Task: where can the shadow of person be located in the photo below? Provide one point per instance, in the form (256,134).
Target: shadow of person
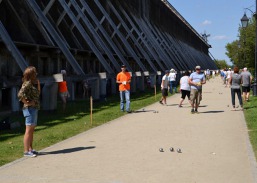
(66,151)
(202,105)
(212,112)
(139,111)
(172,104)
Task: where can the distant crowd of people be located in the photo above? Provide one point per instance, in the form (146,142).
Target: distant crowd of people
(240,83)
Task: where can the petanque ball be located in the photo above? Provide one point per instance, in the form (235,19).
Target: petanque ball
(179,150)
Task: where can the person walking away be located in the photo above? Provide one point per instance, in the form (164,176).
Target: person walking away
(124,80)
(235,82)
(63,90)
(208,74)
(225,76)
(184,88)
(246,84)
(213,74)
(196,80)
(164,87)
(29,95)
(228,75)
(172,81)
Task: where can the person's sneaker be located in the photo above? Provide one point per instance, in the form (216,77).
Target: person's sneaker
(129,111)
(160,102)
(34,151)
(29,154)
(196,111)
(179,106)
(192,111)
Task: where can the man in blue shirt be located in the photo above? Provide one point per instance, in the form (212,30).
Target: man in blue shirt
(196,80)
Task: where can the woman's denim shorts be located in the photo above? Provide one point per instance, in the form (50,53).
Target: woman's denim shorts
(30,115)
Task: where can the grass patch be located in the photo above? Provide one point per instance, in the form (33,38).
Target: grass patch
(251,120)
(57,126)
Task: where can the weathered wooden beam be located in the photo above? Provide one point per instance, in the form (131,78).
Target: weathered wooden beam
(12,48)
(21,24)
(48,7)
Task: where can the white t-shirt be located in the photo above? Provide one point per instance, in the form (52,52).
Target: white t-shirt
(229,74)
(172,76)
(166,81)
(184,85)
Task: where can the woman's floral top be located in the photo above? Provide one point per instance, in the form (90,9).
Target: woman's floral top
(29,92)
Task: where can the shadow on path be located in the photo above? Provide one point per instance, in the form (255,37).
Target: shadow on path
(172,104)
(202,105)
(212,112)
(144,111)
(69,150)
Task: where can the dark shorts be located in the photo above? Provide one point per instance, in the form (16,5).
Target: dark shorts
(246,89)
(185,93)
(165,92)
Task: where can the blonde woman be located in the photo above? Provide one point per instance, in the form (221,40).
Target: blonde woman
(29,95)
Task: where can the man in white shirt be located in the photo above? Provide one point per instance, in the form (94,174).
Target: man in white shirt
(164,87)
(172,81)
(229,72)
(246,83)
(184,88)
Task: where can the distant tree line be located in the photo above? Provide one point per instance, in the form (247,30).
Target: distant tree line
(221,64)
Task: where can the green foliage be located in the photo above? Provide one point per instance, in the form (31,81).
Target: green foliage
(251,120)
(221,64)
(242,51)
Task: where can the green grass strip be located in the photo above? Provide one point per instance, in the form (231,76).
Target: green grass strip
(57,126)
(250,113)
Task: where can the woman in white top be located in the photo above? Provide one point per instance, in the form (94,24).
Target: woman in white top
(184,88)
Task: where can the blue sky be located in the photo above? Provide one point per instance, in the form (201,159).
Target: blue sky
(219,18)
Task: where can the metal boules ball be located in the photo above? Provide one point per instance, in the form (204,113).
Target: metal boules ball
(171,149)
(179,150)
(161,150)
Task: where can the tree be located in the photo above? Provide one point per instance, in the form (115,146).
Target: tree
(234,53)
(221,64)
(242,51)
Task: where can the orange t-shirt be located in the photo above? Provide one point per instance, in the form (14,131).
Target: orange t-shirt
(124,77)
(62,86)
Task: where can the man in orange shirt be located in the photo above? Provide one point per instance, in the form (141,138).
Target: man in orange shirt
(63,90)
(124,79)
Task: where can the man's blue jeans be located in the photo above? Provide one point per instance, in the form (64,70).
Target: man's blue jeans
(173,86)
(125,94)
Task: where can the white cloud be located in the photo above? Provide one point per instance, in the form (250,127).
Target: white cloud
(206,22)
(220,37)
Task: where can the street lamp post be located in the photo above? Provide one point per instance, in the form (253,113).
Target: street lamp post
(244,21)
